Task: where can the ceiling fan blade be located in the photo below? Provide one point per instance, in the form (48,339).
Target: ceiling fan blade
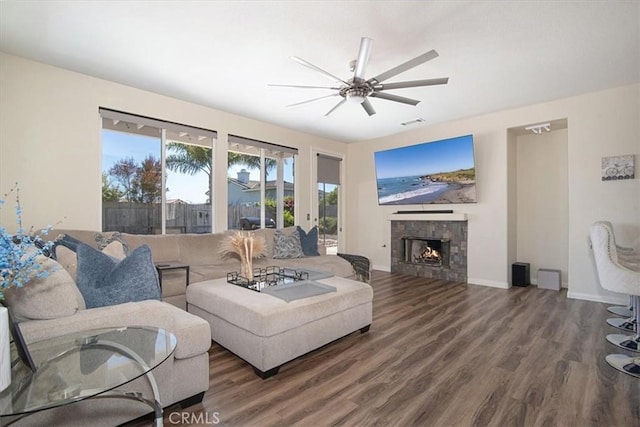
(368,107)
(404,67)
(317,69)
(311,100)
(336,106)
(363,58)
(305,87)
(413,83)
(395,98)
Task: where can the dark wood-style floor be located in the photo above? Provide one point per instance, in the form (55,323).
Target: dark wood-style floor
(439,354)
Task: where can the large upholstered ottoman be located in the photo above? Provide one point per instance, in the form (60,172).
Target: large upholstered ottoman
(267,331)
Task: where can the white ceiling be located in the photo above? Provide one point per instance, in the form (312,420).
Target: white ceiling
(497,54)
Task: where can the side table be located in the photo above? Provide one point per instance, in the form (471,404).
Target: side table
(85,365)
(171,265)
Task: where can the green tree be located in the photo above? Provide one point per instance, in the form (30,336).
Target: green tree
(124,172)
(190,159)
(332,197)
(110,192)
(139,183)
(148,180)
(252,162)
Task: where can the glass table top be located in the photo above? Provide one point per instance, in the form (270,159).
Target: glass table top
(81,365)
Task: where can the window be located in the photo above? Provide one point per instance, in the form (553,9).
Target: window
(156,175)
(260,184)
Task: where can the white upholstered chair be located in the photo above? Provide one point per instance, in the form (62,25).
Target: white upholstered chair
(616,277)
(627,257)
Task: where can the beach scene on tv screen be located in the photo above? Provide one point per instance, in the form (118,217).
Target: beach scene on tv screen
(432,172)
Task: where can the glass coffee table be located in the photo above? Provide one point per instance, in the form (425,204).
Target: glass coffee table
(84,365)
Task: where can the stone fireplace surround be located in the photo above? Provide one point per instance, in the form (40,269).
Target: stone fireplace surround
(430,226)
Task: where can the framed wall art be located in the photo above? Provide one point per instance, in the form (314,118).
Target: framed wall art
(618,167)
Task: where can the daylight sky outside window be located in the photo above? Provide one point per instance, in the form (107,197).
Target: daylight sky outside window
(190,188)
(117,145)
(254,174)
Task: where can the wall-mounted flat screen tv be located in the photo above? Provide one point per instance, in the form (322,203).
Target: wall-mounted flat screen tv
(432,172)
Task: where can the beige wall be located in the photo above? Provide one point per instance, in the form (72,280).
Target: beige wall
(50,142)
(543,202)
(599,124)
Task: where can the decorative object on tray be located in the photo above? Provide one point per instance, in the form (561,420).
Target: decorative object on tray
(244,245)
(261,278)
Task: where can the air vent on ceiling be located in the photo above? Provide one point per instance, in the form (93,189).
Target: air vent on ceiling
(413,122)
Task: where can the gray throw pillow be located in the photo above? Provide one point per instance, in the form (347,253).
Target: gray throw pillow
(103,241)
(104,280)
(287,246)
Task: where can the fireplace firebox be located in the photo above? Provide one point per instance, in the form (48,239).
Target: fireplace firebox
(429,251)
(416,245)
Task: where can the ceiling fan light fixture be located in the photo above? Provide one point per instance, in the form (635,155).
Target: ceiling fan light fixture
(356,95)
(355,99)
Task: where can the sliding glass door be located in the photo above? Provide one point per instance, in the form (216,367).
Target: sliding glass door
(328,205)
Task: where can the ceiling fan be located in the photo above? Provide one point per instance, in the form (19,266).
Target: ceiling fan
(358,90)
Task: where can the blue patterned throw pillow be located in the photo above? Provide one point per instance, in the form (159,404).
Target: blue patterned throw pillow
(309,241)
(104,280)
(287,246)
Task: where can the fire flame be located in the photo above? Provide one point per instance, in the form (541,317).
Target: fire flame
(429,254)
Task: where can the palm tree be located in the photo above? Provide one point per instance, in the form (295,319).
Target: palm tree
(191,159)
(249,161)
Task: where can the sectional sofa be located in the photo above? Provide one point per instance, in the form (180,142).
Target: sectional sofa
(185,376)
(202,253)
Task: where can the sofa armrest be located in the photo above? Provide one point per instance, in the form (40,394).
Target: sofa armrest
(144,313)
(361,265)
(192,332)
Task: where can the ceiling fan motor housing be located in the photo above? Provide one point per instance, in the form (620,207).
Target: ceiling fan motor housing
(356,91)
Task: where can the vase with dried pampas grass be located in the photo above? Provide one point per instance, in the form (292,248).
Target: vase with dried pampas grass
(246,246)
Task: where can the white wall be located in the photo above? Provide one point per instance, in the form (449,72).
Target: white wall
(599,124)
(543,202)
(50,142)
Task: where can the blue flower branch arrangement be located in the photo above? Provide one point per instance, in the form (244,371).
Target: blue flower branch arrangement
(19,252)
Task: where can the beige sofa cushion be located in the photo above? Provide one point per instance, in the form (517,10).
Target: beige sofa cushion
(201,249)
(50,297)
(163,248)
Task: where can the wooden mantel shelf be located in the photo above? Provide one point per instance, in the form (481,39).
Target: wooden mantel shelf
(428,217)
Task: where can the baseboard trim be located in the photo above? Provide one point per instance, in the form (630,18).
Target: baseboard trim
(599,298)
(386,268)
(490,283)
(534,281)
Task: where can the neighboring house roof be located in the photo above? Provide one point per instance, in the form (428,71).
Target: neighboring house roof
(177,202)
(237,182)
(255,185)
